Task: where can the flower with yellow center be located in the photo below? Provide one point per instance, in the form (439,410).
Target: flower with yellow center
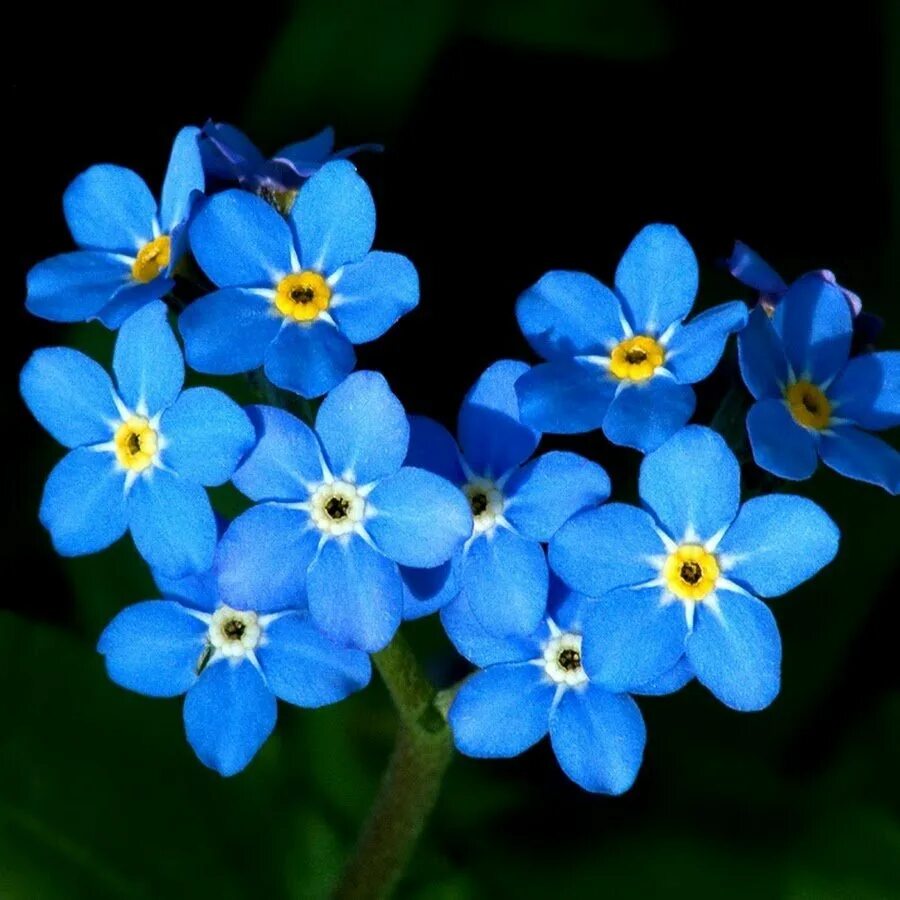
(152,259)
(808,405)
(691,572)
(136,443)
(636,358)
(302,296)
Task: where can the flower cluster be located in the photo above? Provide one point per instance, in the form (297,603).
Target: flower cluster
(361,516)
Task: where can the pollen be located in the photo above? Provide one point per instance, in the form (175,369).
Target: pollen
(137,443)
(808,405)
(152,259)
(636,358)
(691,572)
(302,296)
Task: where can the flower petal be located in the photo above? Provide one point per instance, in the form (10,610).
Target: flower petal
(751,269)
(657,279)
(501,711)
(334,218)
(569,314)
(735,651)
(868,390)
(668,683)
(153,648)
(779,444)
(228,154)
(427,590)
(228,715)
(646,415)
(763,363)
(777,542)
(549,490)
(432,447)
(696,348)
(363,428)
(598,739)
(184,176)
(862,456)
(199,591)
(355,594)
(131,297)
(309,359)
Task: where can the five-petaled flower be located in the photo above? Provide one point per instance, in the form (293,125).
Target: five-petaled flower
(231,662)
(129,246)
(141,453)
(682,577)
(812,400)
(622,360)
(337,512)
(297,294)
(503,570)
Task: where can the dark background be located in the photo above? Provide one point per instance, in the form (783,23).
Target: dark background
(521,136)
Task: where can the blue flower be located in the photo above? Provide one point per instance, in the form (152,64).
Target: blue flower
(682,577)
(338,513)
(297,294)
(231,662)
(812,400)
(129,246)
(622,360)
(530,685)
(141,453)
(503,570)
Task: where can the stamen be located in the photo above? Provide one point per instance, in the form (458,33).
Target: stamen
(636,358)
(569,659)
(302,296)
(809,405)
(691,572)
(337,508)
(152,259)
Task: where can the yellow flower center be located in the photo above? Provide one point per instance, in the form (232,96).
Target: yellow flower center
(136,443)
(281,200)
(808,405)
(152,259)
(302,296)
(636,358)
(691,572)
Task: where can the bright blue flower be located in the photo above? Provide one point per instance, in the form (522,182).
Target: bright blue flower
(812,401)
(141,453)
(338,515)
(622,360)
(231,662)
(682,577)
(297,294)
(502,570)
(129,245)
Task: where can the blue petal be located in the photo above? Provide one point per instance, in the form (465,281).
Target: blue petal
(74,287)
(777,542)
(334,218)
(309,359)
(228,331)
(240,241)
(862,456)
(504,580)
(83,506)
(110,208)
(314,150)
(371,295)
(70,395)
(131,297)
(501,711)
(868,391)
(632,636)
(480,646)
(303,667)
(492,437)
(153,648)
(569,314)
(657,279)
(200,591)
(228,154)
(670,682)
(692,484)
(736,651)
(646,415)
(285,459)
(751,269)
(147,361)
(696,348)
(432,447)
(598,739)
(542,495)
(228,715)
(603,549)
(427,590)
(184,176)
(355,594)
(172,523)
(779,444)
(816,327)
(761,356)
(420,519)
(206,435)
(264,556)
(565,397)
(566,607)
(363,428)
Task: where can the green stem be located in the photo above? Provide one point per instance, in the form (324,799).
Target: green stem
(411,783)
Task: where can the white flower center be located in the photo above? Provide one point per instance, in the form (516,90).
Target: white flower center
(337,508)
(234,633)
(486,501)
(562,659)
